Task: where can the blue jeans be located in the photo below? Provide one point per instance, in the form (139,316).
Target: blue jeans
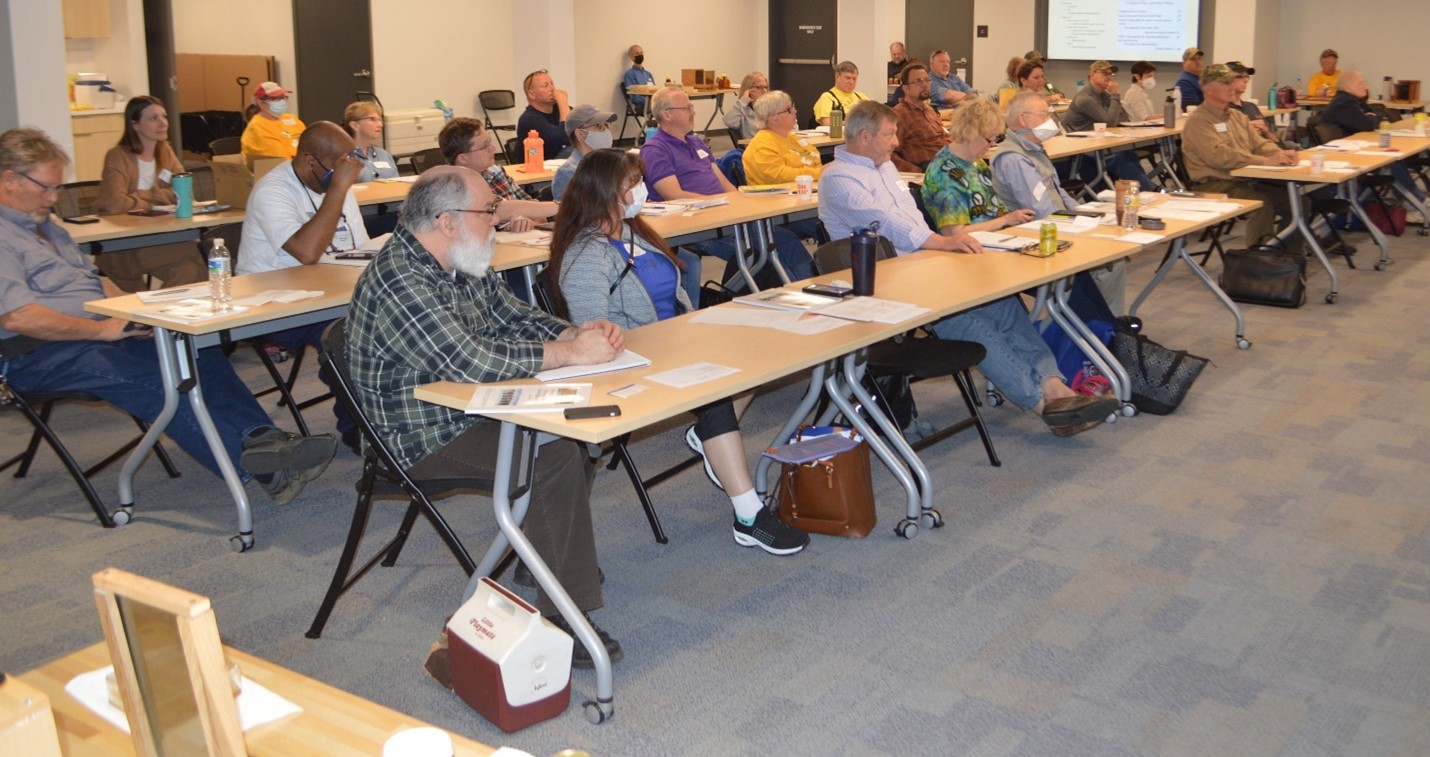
(126,374)
(312,335)
(1018,359)
(1120,165)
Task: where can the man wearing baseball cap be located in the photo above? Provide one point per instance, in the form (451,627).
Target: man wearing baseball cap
(1253,112)
(1188,83)
(589,129)
(1100,103)
(1218,139)
(273,132)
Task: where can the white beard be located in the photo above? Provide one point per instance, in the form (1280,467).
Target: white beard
(471,257)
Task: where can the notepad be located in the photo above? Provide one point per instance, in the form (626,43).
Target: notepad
(528,398)
(995,241)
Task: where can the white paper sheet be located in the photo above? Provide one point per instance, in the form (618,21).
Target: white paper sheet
(278,295)
(1135,237)
(533,238)
(626,359)
(873,309)
(791,321)
(256,704)
(690,375)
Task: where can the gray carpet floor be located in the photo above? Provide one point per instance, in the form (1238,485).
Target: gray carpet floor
(1248,576)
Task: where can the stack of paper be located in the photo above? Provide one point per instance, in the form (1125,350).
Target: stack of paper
(528,398)
(626,359)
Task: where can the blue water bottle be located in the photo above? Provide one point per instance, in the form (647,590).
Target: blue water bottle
(183,184)
(863,254)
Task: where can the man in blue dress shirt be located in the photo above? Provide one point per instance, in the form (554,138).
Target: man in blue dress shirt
(637,76)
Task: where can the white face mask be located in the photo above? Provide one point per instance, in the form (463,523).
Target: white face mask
(1149,82)
(278,107)
(1046,130)
(638,197)
(599,140)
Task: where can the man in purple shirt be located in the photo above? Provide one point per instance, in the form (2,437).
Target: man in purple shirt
(679,165)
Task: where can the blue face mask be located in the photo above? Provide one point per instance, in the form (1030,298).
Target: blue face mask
(277,107)
(326,179)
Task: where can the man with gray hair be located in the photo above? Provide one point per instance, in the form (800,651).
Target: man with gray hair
(425,310)
(1350,111)
(636,76)
(50,343)
(1023,177)
(861,187)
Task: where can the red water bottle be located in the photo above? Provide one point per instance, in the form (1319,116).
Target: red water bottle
(535,149)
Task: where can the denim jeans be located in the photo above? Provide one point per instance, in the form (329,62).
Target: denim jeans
(126,374)
(1018,359)
(312,335)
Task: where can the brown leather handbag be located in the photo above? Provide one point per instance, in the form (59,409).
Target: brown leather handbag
(834,496)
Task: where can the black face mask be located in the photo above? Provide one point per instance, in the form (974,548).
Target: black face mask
(639,59)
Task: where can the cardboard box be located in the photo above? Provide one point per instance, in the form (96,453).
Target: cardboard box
(233,180)
(699,78)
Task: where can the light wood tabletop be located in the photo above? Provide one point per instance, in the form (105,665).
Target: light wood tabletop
(125,226)
(1063,146)
(945,283)
(1358,166)
(333,722)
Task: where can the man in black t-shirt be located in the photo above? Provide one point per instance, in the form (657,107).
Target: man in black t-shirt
(546,111)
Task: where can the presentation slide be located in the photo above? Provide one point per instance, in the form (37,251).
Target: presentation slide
(1127,30)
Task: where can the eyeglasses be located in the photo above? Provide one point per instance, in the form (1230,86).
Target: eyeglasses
(789,110)
(690,108)
(485,145)
(924,80)
(759,86)
(48,188)
(489,210)
(370,118)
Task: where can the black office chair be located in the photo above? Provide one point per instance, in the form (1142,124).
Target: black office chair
(918,357)
(232,236)
(633,113)
(429,158)
(496,100)
(26,402)
(383,476)
(620,446)
(226,146)
(367,97)
(512,149)
(78,198)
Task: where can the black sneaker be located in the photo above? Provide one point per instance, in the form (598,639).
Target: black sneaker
(352,439)
(580,656)
(272,450)
(693,441)
(771,534)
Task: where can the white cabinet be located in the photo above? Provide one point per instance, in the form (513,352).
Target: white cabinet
(409,131)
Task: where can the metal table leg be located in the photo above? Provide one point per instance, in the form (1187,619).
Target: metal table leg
(1092,347)
(1351,191)
(1179,252)
(768,252)
(1165,167)
(796,417)
(1302,224)
(516,456)
(840,390)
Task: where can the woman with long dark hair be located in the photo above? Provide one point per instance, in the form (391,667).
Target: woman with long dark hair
(610,264)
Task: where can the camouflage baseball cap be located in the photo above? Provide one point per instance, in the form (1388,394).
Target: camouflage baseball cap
(1218,72)
(1192,52)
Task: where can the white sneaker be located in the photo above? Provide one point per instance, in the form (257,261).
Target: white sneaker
(694,443)
(1414,216)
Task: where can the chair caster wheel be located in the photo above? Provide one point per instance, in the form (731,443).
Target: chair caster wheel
(241,543)
(597,712)
(1111,418)
(995,399)
(1128,409)
(1380,266)
(1242,343)
(906,528)
(1331,298)
(122,515)
(931,519)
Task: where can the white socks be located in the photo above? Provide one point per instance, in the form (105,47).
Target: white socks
(747,506)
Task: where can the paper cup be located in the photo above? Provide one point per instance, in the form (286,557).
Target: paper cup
(804,187)
(1318,163)
(1100,129)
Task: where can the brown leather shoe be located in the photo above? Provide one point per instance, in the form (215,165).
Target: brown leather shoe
(1075,428)
(1071,411)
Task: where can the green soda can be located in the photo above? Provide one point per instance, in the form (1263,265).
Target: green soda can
(1047,239)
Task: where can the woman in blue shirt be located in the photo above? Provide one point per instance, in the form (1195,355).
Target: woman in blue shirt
(610,264)
(363,120)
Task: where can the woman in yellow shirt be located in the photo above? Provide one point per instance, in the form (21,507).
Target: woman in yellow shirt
(777,155)
(1323,82)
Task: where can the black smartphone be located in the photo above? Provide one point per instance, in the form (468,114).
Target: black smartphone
(81,219)
(828,290)
(594,411)
(355,255)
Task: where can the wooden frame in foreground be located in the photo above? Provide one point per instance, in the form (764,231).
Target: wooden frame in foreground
(169,664)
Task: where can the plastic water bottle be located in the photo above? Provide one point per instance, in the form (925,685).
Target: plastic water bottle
(1385,135)
(1300,88)
(446,110)
(534,147)
(220,277)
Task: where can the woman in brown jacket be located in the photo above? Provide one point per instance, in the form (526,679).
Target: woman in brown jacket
(137,175)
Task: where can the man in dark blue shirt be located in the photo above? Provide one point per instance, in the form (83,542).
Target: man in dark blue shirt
(546,111)
(1190,82)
